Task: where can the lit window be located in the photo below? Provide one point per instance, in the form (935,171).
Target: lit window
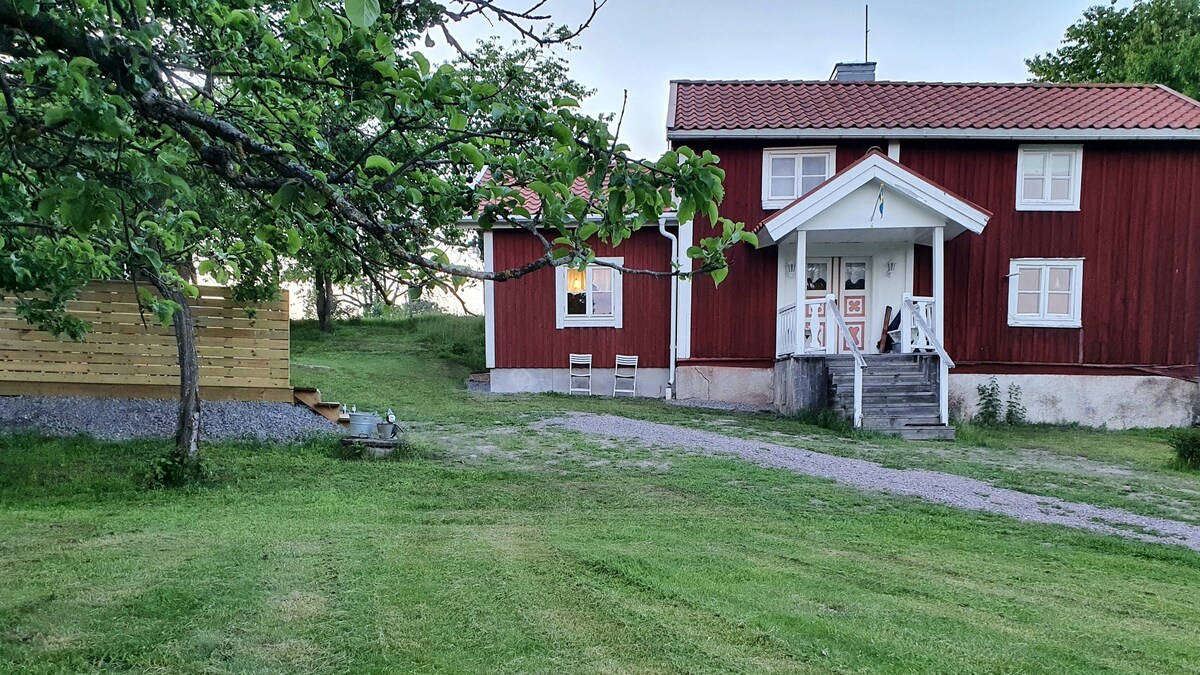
(589,297)
(789,173)
(1048,177)
(1045,292)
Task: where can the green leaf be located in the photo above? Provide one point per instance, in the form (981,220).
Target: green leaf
(458,122)
(750,238)
(285,195)
(379,162)
(561,133)
(362,13)
(587,230)
(422,63)
(472,154)
(294,241)
(718,275)
(565,102)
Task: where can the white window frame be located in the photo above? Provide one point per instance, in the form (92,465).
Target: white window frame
(1047,204)
(768,202)
(564,320)
(1041,320)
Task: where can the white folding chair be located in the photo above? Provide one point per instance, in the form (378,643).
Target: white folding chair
(628,376)
(581,369)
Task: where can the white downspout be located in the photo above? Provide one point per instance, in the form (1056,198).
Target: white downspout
(662,229)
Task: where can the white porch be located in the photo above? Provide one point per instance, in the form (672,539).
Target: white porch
(847,269)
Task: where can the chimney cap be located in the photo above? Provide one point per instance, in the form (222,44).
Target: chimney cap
(856,71)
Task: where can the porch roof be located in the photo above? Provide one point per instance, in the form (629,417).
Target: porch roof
(927,203)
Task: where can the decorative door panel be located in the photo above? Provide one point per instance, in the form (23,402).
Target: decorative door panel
(818,282)
(853,300)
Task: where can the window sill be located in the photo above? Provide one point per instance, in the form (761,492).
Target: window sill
(1032,206)
(608,322)
(776,204)
(1042,323)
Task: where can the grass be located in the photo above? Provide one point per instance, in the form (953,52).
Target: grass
(502,550)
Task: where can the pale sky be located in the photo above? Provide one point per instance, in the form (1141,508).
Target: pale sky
(641,45)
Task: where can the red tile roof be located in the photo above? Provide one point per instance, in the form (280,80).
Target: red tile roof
(725,105)
(533,202)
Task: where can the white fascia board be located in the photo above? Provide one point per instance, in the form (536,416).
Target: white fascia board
(978,134)
(877,168)
(472,224)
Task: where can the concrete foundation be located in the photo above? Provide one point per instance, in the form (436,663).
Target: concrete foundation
(801,384)
(723,383)
(651,382)
(1113,401)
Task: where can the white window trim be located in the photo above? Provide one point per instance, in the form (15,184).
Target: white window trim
(1046,204)
(1074,321)
(563,320)
(829,152)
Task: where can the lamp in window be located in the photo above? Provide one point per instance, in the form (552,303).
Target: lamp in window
(576,279)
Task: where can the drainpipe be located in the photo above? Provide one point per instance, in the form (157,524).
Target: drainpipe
(662,229)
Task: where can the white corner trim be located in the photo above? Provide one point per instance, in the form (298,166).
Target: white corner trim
(489,303)
(1076,179)
(561,320)
(672,98)
(683,335)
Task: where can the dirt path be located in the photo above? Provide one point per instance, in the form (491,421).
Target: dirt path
(932,486)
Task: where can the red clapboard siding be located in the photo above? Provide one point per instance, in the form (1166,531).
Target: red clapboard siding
(525,307)
(1136,228)
(737,320)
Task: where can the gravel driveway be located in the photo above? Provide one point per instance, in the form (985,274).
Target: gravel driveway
(118,419)
(939,488)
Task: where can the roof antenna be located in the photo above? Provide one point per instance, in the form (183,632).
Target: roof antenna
(866,33)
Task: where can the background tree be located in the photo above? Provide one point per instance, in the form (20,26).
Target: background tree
(144,137)
(1153,41)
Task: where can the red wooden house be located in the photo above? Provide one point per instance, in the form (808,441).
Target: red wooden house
(915,240)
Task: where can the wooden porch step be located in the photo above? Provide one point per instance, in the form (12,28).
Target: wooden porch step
(310,398)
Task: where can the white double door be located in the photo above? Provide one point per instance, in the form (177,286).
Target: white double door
(848,279)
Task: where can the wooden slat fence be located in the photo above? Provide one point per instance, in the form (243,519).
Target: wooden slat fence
(241,358)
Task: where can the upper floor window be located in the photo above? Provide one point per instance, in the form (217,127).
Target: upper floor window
(590,297)
(789,173)
(1048,177)
(1045,292)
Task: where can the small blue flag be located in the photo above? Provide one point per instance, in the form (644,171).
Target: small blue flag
(878,204)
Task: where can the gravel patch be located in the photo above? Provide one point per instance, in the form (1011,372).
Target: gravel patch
(719,405)
(932,486)
(117,419)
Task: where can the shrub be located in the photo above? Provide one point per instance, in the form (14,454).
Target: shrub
(989,403)
(1186,444)
(1014,412)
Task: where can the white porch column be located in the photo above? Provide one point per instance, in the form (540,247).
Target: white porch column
(939,319)
(799,346)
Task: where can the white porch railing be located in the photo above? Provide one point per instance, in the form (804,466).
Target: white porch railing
(917,334)
(833,316)
(785,331)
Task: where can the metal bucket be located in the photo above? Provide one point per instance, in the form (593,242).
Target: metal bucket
(362,425)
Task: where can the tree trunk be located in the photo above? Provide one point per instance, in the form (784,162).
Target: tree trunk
(326,303)
(187,430)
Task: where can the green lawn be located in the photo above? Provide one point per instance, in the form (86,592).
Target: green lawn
(510,551)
